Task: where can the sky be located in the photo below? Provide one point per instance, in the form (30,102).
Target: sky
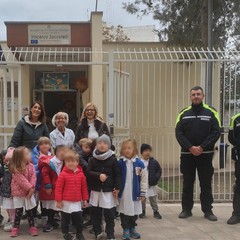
(66,10)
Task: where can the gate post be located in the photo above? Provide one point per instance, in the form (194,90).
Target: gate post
(110,89)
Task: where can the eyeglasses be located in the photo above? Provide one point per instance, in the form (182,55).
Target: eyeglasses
(90,110)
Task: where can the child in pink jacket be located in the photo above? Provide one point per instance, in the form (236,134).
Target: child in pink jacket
(23,186)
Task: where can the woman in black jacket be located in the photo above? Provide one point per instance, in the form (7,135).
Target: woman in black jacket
(91,125)
(30,128)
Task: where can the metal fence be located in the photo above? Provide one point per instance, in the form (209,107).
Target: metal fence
(160,83)
(145,90)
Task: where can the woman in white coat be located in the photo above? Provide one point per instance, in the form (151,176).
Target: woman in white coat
(61,135)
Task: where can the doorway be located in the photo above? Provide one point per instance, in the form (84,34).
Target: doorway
(64,101)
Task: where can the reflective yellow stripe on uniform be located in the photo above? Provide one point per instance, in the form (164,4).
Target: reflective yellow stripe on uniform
(232,120)
(181,113)
(216,115)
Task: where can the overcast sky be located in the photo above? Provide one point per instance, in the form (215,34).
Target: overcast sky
(65,10)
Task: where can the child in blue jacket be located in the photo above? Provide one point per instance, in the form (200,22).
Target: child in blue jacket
(134,187)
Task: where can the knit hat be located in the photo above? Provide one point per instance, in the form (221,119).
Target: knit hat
(9,153)
(106,139)
(145,147)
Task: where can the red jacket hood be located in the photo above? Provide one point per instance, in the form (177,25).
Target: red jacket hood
(43,161)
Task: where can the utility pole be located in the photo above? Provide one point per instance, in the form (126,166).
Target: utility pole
(210,63)
(96,7)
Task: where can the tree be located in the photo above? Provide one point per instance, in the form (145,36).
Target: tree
(114,34)
(184,22)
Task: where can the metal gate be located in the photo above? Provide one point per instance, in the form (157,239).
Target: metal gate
(10,102)
(119,103)
(160,84)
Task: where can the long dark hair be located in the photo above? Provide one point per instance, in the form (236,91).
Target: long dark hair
(42,117)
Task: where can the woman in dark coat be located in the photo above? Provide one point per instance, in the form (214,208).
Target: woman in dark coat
(30,128)
(91,125)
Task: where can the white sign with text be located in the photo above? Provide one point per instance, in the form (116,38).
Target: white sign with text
(49,34)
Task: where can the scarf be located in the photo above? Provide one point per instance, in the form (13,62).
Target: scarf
(102,156)
(57,165)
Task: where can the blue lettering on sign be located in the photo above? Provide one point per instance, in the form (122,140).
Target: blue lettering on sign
(34,41)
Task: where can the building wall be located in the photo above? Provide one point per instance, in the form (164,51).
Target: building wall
(80,33)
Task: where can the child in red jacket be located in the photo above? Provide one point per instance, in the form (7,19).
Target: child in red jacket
(71,194)
(50,167)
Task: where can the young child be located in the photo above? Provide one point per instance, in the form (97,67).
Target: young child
(154,173)
(50,168)
(23,187)
(70,190)
(84,150)
(43,148)
(5,189)
(134,187)
(104,179)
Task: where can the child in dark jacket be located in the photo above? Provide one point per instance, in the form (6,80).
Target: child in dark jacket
(5,188)
(84,149)
(104,179)
(71,195)
(154,172)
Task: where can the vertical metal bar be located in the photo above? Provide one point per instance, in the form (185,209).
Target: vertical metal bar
(12,97)
(5,100)
(19,93)
(110,89)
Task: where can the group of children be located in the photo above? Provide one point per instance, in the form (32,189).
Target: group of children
(72,180)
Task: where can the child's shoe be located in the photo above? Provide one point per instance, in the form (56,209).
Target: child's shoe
(111,236)
(1,220)
(8,227)
(47,228)
(157,215)
(14,232)
(99,235)
(33,231)
(126,234)
(134,234)
(79,236)
(68,236)
(143,215)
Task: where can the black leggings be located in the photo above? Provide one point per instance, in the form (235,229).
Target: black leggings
(76,218)
(49,213)
(19,214)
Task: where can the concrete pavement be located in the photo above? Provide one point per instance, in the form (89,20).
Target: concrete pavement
(169,228)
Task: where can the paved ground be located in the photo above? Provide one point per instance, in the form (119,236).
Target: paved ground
(169,228)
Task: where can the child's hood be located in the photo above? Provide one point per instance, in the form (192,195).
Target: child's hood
(44,161)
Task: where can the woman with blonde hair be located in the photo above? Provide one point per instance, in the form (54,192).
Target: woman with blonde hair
(91,125)
(61,135)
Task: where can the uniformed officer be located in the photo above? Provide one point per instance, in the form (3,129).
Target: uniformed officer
(197,131)
(234,139)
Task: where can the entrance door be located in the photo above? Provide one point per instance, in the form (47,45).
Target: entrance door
(56,101)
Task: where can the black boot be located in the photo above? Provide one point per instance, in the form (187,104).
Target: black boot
(210,216)
(235,218)
(185,214)
(143,215)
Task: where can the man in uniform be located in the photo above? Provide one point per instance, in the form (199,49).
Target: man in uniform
(234,139)
(197,131)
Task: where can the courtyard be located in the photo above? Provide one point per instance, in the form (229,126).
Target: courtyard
(169,228)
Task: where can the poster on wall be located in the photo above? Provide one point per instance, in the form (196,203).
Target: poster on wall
(56,81)
(49,34)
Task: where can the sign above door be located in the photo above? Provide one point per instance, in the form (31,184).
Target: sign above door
(49,34)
